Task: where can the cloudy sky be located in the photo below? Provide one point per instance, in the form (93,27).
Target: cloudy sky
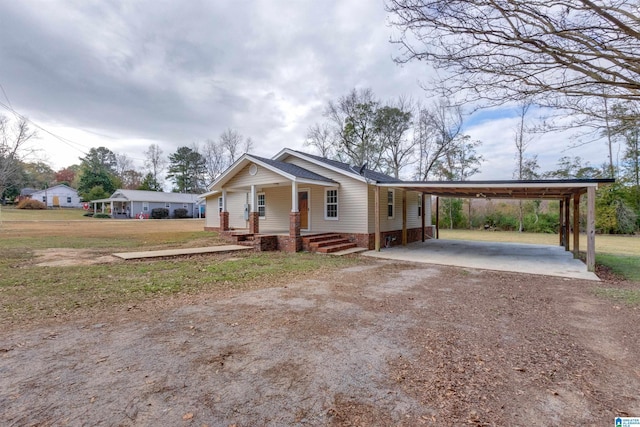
(126,74)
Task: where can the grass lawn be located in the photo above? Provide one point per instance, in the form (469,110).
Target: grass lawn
(13,214)
(31,292)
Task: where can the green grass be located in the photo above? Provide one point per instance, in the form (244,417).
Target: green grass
(622,265)
(626,296)
(58,214)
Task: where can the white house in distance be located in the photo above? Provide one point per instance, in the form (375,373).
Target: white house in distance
(59,195)
(300,201)
(140,203)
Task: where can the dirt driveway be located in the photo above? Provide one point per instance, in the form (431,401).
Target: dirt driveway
(376,344)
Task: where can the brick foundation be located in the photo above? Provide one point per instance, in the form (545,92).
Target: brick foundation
(368,240)
(254,222)
(224,221)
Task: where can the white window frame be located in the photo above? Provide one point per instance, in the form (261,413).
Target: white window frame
(263,205)
(68,199)
(220,204)
(327,204)
(145,206)
(391,204)
(419,205)
(167,205)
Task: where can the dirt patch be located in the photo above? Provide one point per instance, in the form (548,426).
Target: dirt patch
(64,257)
(386,344)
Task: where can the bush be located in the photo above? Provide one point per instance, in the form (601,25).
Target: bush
(87,214)
(181,213)
(101,215)
(31,204)
(159,213)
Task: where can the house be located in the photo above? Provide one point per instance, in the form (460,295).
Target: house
(297,201)
(58,196)
(140,203)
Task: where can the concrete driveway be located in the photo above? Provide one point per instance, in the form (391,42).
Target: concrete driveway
(514,257)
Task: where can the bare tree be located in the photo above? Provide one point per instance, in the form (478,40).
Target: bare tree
(566,50)
(231,141)
(320,137)
(123,164)
(215,159)
(155,162)
(438,131)
(392,123)
(14,141)
(526,167)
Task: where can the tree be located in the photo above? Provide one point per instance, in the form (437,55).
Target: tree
(437,133)
(131,179)
(565,50)
(231,142)
(187,169)
(154,162)
(149,183)
(320,137)
(98,168)
(14,140)
(573,168)
(66,175)
(38,174)
(353,122)
(391,125)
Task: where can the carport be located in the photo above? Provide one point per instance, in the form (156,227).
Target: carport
(567,191)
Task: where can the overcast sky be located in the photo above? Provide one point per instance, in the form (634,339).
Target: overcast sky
(126,74)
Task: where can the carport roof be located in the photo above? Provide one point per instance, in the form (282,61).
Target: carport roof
(511,189)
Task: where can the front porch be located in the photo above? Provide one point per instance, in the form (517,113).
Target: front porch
(282,240)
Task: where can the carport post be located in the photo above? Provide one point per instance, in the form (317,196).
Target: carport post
(437,217)
(567,207)
(576,225)
(591,229)
(422,200)
(561,221)
(376,210)
(404,217)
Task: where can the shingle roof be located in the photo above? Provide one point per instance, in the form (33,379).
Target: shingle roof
(155,196)
(367,173)
(295,170)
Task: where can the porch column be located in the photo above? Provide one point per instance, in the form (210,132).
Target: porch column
(295,241)
(376,215)
(404,218)
(224,215)
(254,220)
(576,225)
(424,213)
(591,229)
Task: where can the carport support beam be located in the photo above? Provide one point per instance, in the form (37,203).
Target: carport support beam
(422,200)
(437,217)
(567,221)
(376,210)
(591,229)
(404,218)
(576,225)
(561,222)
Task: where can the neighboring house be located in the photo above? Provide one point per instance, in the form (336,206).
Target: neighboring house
(139,203)
(296,194)
(25,193)
(59,195)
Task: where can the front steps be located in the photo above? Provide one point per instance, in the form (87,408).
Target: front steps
(327,243)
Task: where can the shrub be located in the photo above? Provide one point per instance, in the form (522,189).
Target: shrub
(31,204)
(159,213)
(101,215)
(87,214)
(181,213)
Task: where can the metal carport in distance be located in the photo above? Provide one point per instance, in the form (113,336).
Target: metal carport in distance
(563,190)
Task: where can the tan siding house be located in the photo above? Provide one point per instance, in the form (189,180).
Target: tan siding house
(295,194)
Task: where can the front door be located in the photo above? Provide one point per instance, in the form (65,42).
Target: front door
(303,207)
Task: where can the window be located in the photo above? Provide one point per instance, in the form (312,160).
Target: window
(219,204)
(167,205)
(68,199)
(331,204)
(390,211)
(44,199)
(145,206)
(419,205)
(262,209)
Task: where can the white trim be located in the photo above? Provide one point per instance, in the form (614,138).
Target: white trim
(326,204)
(290,152)
(264,205)
(479,184)
(392,204)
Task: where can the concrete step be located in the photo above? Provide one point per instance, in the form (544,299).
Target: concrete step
(336,248)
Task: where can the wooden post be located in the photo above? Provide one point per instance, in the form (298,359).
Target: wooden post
(576,225)
(424,214)
(377,218)
(567,223)
(437,217)
(591,229)
(404,218)
(561,222)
